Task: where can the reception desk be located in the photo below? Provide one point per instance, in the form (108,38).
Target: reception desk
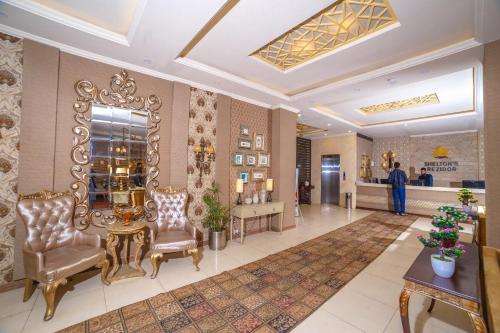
(419,199)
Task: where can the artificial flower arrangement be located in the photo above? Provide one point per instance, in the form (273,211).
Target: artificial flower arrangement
(465,196)
(445,238)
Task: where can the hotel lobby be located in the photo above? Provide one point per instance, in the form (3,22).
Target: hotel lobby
(249,166)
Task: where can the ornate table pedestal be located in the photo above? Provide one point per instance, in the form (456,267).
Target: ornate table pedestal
(115,231)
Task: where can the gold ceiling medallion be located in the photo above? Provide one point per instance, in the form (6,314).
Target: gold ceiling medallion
(303,129)
(413,102)
(341,23)
(121,94)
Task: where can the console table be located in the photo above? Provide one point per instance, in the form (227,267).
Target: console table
(255,210)
(462,290)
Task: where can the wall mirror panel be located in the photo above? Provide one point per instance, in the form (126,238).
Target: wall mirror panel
(115,150)
(118,152)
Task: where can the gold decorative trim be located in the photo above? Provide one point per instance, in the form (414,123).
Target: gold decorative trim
(171,190)
(43,195)
(303,129)
(340,24)
(208,26)
(121,94)
(408,103)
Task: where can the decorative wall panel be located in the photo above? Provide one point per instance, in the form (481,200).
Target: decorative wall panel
(399,145)
(258,120)
(202,123)
(11,68)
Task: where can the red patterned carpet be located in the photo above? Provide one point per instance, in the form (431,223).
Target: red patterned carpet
(273,294)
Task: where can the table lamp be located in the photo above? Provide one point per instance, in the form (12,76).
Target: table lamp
(269,189)
(239,190)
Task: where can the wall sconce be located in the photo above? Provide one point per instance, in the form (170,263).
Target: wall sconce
(239,190)
(269,189)
(204,155)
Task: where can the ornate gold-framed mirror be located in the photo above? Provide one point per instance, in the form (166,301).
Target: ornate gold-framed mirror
(115,132)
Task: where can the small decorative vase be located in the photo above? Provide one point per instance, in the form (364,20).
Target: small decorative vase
(248,200)
(255,198)
(443,267)
(262,195)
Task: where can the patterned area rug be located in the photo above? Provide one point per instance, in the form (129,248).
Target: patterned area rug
(273,294)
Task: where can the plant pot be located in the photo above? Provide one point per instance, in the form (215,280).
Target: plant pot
(443,267)
(467,209)
(217,240)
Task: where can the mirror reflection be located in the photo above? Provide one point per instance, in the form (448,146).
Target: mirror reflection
(118,147)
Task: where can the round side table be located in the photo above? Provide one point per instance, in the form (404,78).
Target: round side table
(115,230)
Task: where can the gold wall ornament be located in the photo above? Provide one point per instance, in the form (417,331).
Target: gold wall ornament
(412,102)
(388,160)
(342,23)
(120,94)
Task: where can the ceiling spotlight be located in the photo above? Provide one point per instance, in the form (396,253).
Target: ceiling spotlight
(391,80)
(405,125)
(349,131)
(324,134)
(329,124)
(299,115)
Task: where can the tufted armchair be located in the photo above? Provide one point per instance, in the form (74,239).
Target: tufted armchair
(53,249)
(172,231)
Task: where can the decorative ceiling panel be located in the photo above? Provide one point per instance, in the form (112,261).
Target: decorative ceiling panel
(303,129)
(341,23)
(413,102)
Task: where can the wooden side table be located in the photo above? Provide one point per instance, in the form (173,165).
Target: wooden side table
(117,230)
(462,290)
(255,210)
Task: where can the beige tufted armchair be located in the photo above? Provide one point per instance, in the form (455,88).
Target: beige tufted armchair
(54,249)
(172,232)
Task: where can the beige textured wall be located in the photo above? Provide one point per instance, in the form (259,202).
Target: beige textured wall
(284,151)
(179,134)
(491,71)
(346,147)
(412,152)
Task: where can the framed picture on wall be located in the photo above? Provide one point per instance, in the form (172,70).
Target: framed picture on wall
(258,175)
(244,175)
(244,143)
(258,141)
(244,131)
(251,159)
(263,160)
(238,159)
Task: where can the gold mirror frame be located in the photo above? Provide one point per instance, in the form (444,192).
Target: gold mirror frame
(121,94)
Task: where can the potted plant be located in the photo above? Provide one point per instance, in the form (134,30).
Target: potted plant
(445,238)
(466,197)
(216,220)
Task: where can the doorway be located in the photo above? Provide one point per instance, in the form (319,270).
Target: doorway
(330,179)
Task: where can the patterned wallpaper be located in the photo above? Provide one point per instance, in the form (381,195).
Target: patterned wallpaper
(258,120)
(11,68)
(202,122)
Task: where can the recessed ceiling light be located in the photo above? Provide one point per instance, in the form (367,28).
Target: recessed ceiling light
(148,61)
(324,134)
(349,131)
(391,80)
(405,125)
(299,115)
(357,89)
(329,124)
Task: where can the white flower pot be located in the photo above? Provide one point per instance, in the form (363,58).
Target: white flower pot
(443,268)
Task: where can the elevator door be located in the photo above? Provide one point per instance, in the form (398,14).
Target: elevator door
(330,179)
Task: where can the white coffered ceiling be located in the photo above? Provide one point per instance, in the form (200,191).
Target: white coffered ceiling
(436,47)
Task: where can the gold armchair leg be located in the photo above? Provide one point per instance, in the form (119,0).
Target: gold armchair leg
(155,262)
(28,289)
(196,257)
(49,293)
(104,266)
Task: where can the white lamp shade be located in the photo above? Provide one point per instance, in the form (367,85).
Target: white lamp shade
(239,185)
(269,185)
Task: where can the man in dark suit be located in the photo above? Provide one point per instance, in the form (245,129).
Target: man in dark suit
(398,179)
(425,179)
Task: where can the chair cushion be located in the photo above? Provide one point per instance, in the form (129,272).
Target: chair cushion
(69,260)
(173,241)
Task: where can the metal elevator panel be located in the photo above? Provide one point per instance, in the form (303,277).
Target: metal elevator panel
(330,179)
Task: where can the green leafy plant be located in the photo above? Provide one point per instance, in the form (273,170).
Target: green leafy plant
(445,237)
(217,214)
(465,196)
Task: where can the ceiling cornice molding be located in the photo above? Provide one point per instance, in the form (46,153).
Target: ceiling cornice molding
(122,64)
(230,77)
(329,136)
(285,107)
(444,133)
(405,64)
(73,22)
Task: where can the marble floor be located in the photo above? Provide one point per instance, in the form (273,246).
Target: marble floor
(368,303)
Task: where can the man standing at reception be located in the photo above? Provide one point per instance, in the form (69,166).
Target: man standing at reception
(398,179)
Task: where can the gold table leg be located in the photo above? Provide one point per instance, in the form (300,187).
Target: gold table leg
(139,239)
(404,299)
(111,243)
(477,323)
